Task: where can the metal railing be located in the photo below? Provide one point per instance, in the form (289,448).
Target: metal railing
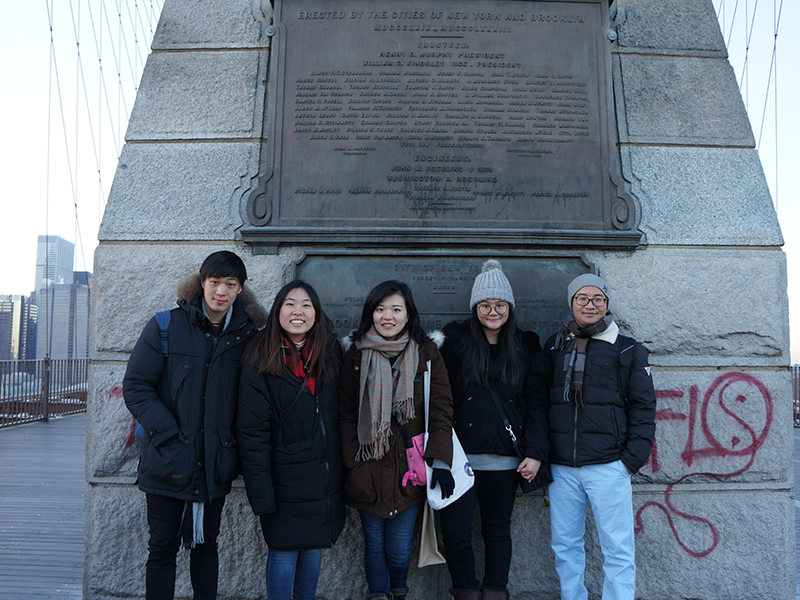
(795,371)
(36,390)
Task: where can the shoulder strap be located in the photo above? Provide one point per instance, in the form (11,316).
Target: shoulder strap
(508,427)
(162,318)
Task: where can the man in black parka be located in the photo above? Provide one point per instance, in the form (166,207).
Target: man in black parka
(601,424)
(182,387)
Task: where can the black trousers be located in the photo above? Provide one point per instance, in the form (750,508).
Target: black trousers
(164,519)
(495,492)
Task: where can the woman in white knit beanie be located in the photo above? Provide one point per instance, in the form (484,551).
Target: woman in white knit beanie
(488,361)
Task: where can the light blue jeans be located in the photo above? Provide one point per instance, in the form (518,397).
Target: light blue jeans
(608,487)
(293,574)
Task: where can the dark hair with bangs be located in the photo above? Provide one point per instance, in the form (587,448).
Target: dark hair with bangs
(476,359)
(223,264)
(377,295)
(265,349)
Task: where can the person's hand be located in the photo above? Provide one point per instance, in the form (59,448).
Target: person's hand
(445,480)
(528,468)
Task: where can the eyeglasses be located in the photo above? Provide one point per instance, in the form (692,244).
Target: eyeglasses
(486,309)
(597,300)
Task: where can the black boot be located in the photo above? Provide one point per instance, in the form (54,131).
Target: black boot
(489,593)
(472,593)
(399,593)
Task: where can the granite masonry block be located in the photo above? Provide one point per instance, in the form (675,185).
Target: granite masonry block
(213,24)
(696,307)
(200,95)
(680,100)
(688,26)
(179,192)
(112,451)
(701,196)
(116,518)
(132,282)
(715,428)
(714,545)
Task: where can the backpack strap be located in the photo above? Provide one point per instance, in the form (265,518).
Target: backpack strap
(162,318)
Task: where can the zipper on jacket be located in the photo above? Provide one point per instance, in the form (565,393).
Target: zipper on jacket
(575,438)
(327,466)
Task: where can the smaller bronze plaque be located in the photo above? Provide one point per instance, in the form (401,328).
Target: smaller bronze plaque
(441,285)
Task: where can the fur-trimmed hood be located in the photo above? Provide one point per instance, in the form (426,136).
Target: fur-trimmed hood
(190,287)
(437,337)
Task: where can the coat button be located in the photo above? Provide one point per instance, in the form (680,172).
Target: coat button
(197,492)
(208,335)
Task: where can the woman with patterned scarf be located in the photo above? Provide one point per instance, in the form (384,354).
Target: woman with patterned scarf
(288,439)
(380,394)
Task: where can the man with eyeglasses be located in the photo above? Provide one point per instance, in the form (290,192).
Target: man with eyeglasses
(601,425)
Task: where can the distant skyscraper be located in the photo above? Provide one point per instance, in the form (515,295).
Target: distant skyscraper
(63,326)
(17,327)
(54,261)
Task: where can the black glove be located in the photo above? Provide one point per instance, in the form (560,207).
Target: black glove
(445,480)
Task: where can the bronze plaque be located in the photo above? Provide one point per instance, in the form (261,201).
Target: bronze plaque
(441,285)
(440,121)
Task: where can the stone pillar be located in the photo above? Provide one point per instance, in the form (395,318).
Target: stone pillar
(706,293)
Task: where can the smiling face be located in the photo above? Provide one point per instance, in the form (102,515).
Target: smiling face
(489,318)
(219,294)
(297,315)
(589,314)
(390,317)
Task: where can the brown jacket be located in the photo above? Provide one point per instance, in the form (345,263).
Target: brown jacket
(375,486)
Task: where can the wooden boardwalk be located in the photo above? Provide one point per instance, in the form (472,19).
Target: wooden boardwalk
(42,484)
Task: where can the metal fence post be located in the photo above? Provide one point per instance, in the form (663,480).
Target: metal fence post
(46,389)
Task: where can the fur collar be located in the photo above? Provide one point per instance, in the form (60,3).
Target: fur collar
(190,287)
(437,337)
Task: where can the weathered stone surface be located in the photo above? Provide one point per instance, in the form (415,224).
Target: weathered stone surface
(721,429)
(112,452)
(186,191)
(694,307)
(701,196)
(680,100)
(690,26)
(213,24)
(133,282)
(200,95)
(753,557)
(116,547)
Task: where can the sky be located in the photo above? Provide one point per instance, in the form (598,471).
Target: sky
(53,104)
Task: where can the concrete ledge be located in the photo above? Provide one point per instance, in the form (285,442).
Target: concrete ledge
(200,95)
(213,24)
(701,196)
(684,101)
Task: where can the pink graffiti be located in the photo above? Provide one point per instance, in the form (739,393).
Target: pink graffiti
(714,397)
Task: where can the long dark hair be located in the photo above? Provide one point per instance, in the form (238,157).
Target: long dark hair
(475,355)
(376,296)
(265,349)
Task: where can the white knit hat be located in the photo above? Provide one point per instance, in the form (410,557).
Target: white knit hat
(491,284)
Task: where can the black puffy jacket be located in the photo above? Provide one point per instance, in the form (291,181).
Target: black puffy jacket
(611,424)
(477,421)
(186,402)
(293,475)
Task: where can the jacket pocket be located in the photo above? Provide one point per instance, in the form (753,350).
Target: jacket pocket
(171,463)
(226,465)
(359,485)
